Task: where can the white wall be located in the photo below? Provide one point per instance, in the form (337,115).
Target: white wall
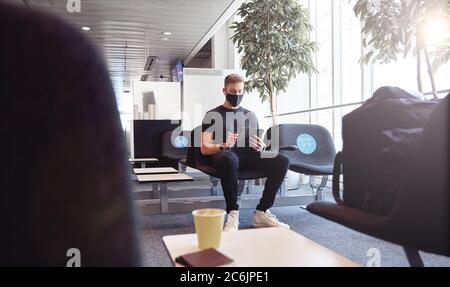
(202,91)
(222,48)
(167,96)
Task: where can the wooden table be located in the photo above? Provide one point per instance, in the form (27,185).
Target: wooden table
(263,247)
(155,170)
(160,181)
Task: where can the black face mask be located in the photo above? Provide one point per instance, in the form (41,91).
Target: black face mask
(234,100)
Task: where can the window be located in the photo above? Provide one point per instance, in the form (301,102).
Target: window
(403,74)
(342,84)
(340,79)
(350,50)
(324,36)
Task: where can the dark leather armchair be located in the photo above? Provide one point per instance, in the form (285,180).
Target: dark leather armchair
(419,219)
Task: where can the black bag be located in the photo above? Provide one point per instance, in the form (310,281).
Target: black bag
(378,142)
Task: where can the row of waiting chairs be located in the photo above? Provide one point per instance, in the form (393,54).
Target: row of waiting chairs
(310,149)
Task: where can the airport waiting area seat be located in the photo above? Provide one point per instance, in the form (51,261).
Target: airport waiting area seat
(197,161)
(315,152)
(176,148)
(419,219)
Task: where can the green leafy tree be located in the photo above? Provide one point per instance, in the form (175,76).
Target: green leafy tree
(441,54)
(273,38)
(394,27)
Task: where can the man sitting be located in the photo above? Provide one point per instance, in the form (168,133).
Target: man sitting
(220,129)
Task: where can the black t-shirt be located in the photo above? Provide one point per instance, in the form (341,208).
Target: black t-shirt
(221,121)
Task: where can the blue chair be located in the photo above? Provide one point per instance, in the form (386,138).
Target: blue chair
(177,148)
(315,152)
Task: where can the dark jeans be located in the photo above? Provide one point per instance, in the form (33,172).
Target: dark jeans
(229,163)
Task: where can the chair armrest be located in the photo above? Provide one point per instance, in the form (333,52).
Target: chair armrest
(283,147)
(353,218)
(288,147)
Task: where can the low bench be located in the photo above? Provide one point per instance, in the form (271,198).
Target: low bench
(160,181)
(155,170)
(142,161)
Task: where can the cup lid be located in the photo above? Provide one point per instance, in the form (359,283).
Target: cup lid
(208,212)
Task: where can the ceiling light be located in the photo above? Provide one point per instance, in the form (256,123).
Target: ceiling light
(167,33)
(86,28)
(164,38)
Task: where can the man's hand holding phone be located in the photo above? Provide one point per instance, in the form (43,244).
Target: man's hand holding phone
(231,140)
(257,143)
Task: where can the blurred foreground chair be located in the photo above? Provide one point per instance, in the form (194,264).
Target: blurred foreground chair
(64,180)
(419,219)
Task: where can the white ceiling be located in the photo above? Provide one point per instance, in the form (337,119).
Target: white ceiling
(128,31)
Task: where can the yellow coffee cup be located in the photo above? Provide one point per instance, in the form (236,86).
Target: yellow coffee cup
(208,226)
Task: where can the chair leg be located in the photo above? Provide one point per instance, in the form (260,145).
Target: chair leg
(413,257)
(181,168)
(215,186)
(283,187)
(318,191)
(250,185)
(323,183)
(312,182)
(241,186)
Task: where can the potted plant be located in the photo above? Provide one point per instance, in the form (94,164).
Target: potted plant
(390,28)
(273,38)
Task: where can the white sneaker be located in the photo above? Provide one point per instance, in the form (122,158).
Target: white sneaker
(232,221)
(267,219)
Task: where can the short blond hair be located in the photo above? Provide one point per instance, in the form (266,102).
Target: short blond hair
(233,79)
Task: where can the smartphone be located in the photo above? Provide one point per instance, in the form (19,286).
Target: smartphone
(244,135)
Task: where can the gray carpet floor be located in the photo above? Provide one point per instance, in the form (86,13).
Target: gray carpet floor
(342,240)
